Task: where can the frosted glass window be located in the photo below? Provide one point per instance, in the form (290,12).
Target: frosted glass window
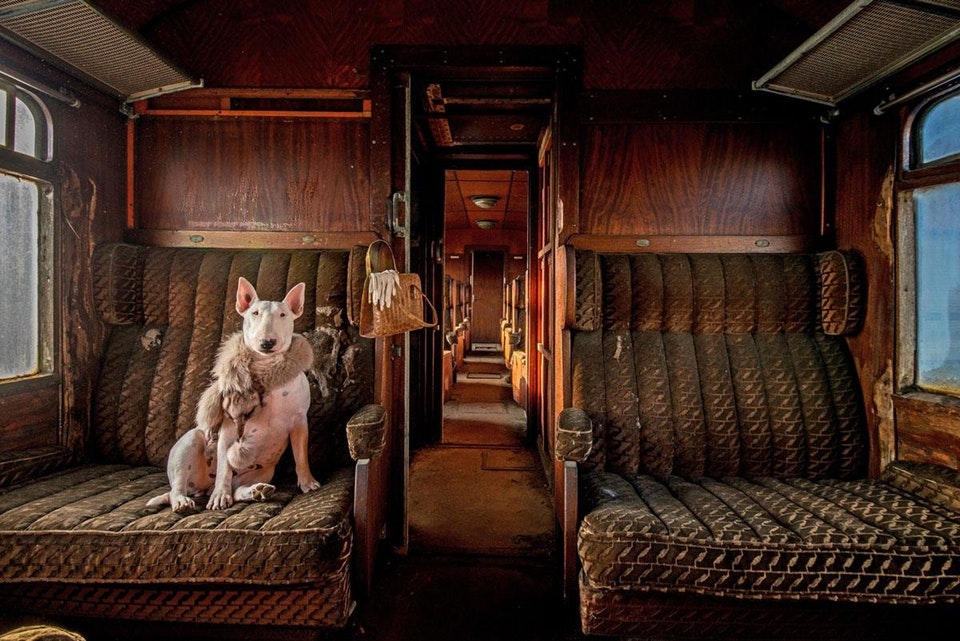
(940,131)
(19,277)
(938,287)
(25,130)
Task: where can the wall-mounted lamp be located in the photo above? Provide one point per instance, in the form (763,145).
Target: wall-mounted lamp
(485,202)
(486,223)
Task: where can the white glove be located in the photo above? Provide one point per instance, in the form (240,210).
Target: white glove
(383,285)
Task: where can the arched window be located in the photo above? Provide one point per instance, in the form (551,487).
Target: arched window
(937,134)
(26,236)
(27,131)
(929,248)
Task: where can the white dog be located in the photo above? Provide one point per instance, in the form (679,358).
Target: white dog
(256,403)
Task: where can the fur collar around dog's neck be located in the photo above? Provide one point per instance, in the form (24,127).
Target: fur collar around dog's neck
(242,376)
(237,363)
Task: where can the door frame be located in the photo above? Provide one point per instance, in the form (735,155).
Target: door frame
(390,145)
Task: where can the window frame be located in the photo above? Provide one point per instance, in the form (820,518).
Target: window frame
(912,176)
(41,170)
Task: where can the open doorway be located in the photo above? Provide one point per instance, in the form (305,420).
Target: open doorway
(472,120)
(481,489)
(486,215)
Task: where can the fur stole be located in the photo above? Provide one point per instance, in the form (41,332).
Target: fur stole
(240,378)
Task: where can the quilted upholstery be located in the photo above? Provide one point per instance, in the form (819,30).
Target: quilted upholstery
(718,358)
(858,540)
(726,451)
(89,527)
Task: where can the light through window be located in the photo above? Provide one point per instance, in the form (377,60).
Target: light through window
(19,264)
(937,232)
(26,238)
(939,132)
(929,256)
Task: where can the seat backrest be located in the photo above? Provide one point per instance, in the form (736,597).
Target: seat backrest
(718,364)
(169,309)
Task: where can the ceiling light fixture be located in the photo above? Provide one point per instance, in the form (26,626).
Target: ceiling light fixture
(485,202)
(486,223)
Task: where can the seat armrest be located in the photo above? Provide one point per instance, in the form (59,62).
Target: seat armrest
(366,432)
(574,435)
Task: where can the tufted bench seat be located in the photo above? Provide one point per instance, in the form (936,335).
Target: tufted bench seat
(716,442)
(83,543)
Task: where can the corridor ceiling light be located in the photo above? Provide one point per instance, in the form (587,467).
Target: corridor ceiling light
(485,202)
(486,223)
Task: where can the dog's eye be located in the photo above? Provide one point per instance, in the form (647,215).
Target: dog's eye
(283,315)
(256,313)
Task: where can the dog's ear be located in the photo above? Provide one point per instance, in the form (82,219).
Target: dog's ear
(246,295)
(295,299)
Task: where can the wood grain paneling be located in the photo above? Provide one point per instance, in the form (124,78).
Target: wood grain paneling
(253,174)
(653,44)
(28,417)
(488,281)
(700,178)
(865,152)
(928,430)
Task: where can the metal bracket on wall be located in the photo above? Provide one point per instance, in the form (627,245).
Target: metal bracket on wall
(394,223)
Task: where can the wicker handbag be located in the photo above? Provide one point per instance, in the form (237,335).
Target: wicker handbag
(406,309)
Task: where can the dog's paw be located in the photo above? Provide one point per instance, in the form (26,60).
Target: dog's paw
(308,484)
(182,504)
(262,491)
(220,500)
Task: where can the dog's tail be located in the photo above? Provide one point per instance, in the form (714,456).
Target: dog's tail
(163,499)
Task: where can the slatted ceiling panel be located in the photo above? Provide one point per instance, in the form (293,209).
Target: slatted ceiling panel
(85,40)
(869,41)
(510,212)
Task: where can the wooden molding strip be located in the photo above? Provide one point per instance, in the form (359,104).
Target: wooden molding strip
(216,103)
(253,92)
(249,239)
(693,244)
(243,113)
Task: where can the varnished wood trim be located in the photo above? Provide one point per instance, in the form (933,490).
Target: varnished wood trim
(215,103)
(928,428)
(569,519)
(364,522)
(249,239)
(240,113)
(251,92)
(694,244)
(131,167)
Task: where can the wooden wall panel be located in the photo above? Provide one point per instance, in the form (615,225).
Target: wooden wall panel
(627,45)
(699,179)
(265,174)
(864,222)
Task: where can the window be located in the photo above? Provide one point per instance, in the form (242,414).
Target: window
(930,250)
(938,133)
(26,224)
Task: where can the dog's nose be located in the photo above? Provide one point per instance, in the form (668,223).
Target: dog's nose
(267,344)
